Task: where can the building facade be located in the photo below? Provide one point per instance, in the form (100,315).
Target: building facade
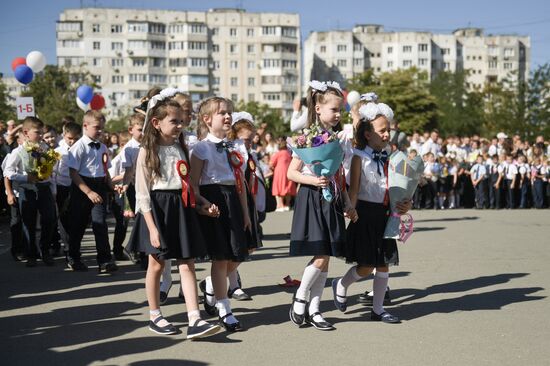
(341,55)
(226,52)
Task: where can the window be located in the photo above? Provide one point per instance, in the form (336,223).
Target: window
(233,81)
(407,63)
(96,62)
(323,49)
(198,28)
(116,46)
(357,47)
(69,27)
(71,43)
(508,52)
(271,63)
(198,79)
(138,62)
(215,31)
(96,45)
(468,58)
(492,50)
(251,65)
(137,94)
(272,96)
(446,66)
(251,81)
(233,32)
(233,65)
(117,79)
(250,32)
(289,32)
(250,48)
(269,31)
(137,78)
(157,79)
(177,62)
(358,62)
(137,27)
(158,28)
(115,62)
(422,61)
(116,28)
(158,45)
(390,50)
(232,48)
(407,49)
(234,97)
(174,45)
(96,28)
(215,48)
(341,63)
(423,47)
(158,62)
(445,51)
(507,66)
(216,81)
(97,78)
(493,64)
(251,97)
(290,64)
(137,45)
(176,28)
(271,79)
(341,48)
(390,64)
(199,62)
(197,45)
(216,65)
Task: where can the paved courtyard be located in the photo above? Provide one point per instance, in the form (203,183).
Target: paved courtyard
(472,289)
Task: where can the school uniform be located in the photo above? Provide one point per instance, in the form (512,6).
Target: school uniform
(177,224)
(63,182)
(510,172)
(538,185)
(128,158)
(117,207)
(318,226)
(224,235)
(254,238)
(524,171)
(17,245)
(33,198)
(86,157)
(479,171)
(365,243)
(494,193)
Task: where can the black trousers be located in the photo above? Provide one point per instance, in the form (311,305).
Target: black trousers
(17,245)
(117,209)
(62,199)
(481,194)
(32,202)
(510,194)
(80,209)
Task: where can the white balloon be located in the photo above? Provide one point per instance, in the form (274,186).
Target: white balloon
(36,61)
(85,107)
(353,97)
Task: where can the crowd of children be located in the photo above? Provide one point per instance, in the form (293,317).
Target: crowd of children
(202,196)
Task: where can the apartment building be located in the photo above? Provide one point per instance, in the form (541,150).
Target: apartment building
(339,55)
(227,52)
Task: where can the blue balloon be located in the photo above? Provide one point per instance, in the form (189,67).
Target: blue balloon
(24,74)
(85,93)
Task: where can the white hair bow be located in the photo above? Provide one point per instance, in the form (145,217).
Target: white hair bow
(369,97)
(164,94)
(372,110)
(240,116)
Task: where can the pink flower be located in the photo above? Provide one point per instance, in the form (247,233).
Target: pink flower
(301,141)
(325,136)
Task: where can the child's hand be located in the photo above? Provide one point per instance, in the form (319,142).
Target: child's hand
(12,200)
(154,237)
(403,207)
(321,181)
(247,223)
(95,198)
(351,213)
(210,210)
(32,178)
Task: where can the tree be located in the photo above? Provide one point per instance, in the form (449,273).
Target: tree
(460,110)
(7,111)
(263,113)
(54,93)
(363,83)
(538,100)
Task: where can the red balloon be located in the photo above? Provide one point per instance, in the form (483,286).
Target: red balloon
(97,102)
(18,61)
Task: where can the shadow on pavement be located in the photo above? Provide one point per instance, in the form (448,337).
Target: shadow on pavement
(444,219)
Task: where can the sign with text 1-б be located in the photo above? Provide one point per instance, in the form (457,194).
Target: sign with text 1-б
(25,107)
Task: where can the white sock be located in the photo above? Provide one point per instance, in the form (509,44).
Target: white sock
(350,277)
(166,281)
(210,289)
(316,294)
(193,316)
(224,308)
(379,286)
(310,275)
(234,282)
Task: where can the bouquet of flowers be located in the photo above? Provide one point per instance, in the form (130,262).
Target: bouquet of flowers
(321,151)
(39,160)
(403,177)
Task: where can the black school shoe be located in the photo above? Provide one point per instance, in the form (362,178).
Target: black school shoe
(296,318)
(385,317)
(366,299)
(234,327)
(166,330)
(48,260)
(199,331)
(210,309)
(322,325)
(77,265)
(239,297)
(107,267)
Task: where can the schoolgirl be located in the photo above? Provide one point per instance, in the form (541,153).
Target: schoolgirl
(318,226)
(365,244)
(166,225)
(218,167)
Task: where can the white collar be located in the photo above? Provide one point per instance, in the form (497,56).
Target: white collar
(214,139)
(87,139)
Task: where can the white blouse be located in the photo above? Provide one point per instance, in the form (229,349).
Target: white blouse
(372,186)
(146,181)
(216,167)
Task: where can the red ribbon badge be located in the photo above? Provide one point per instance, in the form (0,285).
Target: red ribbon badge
(187,193)
(342,174)
(105,160)
(236,160)
(253,182)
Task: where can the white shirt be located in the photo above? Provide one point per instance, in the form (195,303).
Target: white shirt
(61,170)
(430,146)
(372,186)
(116,165)
(129,153)
(298,120)
(511,171)
(15,191)
(493,150)
(346,142)
(86,160)
(190,140)
(146,181)
(216,168)
(524,169)
(478,171)
(15,170)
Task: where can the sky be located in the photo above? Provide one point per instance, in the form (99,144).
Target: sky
(30,24)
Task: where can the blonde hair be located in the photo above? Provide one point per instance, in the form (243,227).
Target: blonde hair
(208,108)
(136,119)
(238,127)
(93,116)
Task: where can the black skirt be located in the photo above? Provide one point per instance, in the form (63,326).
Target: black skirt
(365,243)
(178,226)
(225,236)
(253,236)
(318,226)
